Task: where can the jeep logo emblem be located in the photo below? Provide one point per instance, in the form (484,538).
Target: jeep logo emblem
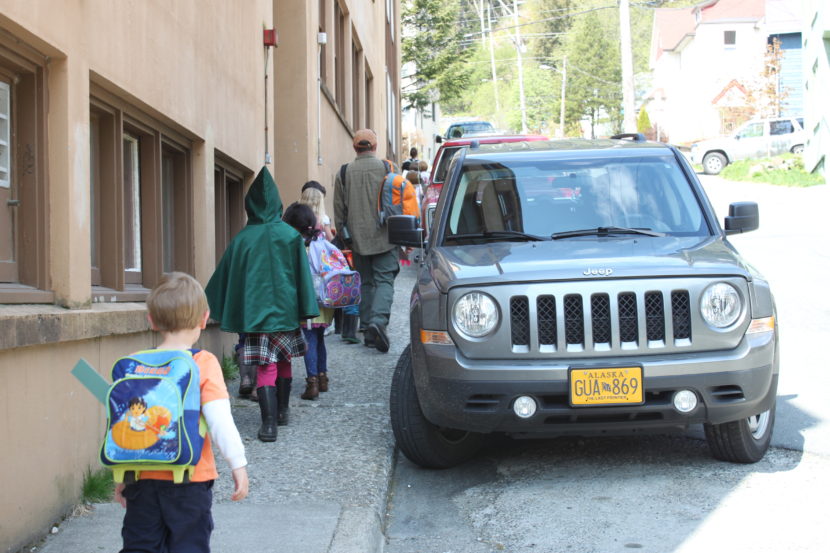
(598,272)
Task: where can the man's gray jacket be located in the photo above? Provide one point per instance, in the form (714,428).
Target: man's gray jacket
(356,204)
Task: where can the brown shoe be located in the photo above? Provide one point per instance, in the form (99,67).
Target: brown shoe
(311,388)
(323,380)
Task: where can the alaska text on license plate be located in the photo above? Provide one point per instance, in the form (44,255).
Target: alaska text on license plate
(606,386)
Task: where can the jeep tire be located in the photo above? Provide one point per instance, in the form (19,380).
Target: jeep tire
(422,442)
(741,441)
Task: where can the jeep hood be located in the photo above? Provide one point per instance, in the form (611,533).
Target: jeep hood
(585,259)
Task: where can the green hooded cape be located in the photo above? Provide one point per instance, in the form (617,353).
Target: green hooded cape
(263,283)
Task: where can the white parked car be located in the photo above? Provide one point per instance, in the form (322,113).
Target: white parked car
(754,139)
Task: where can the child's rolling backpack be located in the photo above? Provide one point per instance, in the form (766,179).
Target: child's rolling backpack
(335,283)
(397,195)
(153,415)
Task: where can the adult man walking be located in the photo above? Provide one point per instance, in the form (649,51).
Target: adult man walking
(356,193)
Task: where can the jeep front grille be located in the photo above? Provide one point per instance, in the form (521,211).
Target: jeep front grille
(591,321)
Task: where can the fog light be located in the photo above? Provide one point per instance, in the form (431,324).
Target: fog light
(685,401)
(524,407)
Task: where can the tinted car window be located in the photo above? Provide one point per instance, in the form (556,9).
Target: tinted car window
(782,126)
(551,196)
(444,163)
(462,129)
(753,130)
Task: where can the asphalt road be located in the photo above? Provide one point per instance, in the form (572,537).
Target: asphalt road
(660,493)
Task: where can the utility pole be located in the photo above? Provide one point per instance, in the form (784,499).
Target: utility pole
(629,118)
(561,132)
(519,61)
(493,64)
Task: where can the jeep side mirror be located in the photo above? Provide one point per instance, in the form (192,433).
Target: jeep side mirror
(743,217)
(403,230)
(438,139)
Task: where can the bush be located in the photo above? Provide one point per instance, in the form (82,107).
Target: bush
(783,170)
(230,369)
(98,486)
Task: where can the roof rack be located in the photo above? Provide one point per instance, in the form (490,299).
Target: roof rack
(636,136)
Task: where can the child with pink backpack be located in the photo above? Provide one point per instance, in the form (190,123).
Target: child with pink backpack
(335,285)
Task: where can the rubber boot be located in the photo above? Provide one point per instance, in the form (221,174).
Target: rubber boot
(312,391)
(268,409)
(349,333)
(323,382)
(247,379)
(283,394)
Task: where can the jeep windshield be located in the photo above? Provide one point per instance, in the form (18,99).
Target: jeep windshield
(512,197)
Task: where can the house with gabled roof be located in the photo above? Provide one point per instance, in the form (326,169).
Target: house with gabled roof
(704,59)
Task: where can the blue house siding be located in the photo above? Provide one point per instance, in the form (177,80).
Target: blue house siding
(791,78)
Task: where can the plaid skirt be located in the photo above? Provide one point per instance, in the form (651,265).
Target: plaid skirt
(264,349)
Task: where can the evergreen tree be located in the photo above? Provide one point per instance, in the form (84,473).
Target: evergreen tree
(594,73)
(433,41)
(643,121)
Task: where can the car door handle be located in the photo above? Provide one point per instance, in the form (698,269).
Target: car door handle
(12,203)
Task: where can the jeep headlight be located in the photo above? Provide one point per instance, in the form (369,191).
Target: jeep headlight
(720,305)
(475,314)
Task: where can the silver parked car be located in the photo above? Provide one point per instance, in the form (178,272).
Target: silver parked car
(582,287)
(754,139)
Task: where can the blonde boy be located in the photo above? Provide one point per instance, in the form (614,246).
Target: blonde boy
(161,515)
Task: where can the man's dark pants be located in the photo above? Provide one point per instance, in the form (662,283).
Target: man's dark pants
(377,277)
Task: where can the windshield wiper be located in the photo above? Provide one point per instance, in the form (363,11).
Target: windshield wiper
(605,231)
(498,234)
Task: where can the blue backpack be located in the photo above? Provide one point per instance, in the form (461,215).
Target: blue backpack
(153,415)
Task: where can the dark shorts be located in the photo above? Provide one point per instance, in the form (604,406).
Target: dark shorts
(163,516)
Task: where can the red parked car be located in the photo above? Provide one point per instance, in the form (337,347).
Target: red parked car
(442,162)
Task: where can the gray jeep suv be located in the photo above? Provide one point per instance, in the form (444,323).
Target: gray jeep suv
(582,287)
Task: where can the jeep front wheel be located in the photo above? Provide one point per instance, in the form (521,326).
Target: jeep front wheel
(741,441)
(422,442)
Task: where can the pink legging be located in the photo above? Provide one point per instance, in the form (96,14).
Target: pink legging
(266,375)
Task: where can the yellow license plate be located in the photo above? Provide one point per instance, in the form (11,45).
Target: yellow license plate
(607,386)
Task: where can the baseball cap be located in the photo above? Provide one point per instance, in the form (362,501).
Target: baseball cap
(365,138)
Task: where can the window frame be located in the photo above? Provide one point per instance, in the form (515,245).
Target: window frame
(229,205)
(25,275)
(112,121)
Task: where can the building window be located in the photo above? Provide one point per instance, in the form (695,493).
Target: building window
(141,213)
(323,51)
(132,209)
(391,117)
(357,63)
(340,57)
(367,97)
(24,259)
(729,38)
(229,205)
(5,134)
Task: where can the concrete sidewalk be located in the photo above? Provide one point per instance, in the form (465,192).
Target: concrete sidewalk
(321,488)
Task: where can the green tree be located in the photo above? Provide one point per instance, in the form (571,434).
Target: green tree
(643,121)
(433,42)
(547,36)
(594,73)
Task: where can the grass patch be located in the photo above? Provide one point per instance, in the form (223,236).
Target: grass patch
(783,170)
(230,369)
(98,486)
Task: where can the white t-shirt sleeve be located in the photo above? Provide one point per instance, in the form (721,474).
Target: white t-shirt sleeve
(223,432)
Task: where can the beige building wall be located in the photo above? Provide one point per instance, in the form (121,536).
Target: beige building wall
(193,71)
(196,68)
(314,130)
